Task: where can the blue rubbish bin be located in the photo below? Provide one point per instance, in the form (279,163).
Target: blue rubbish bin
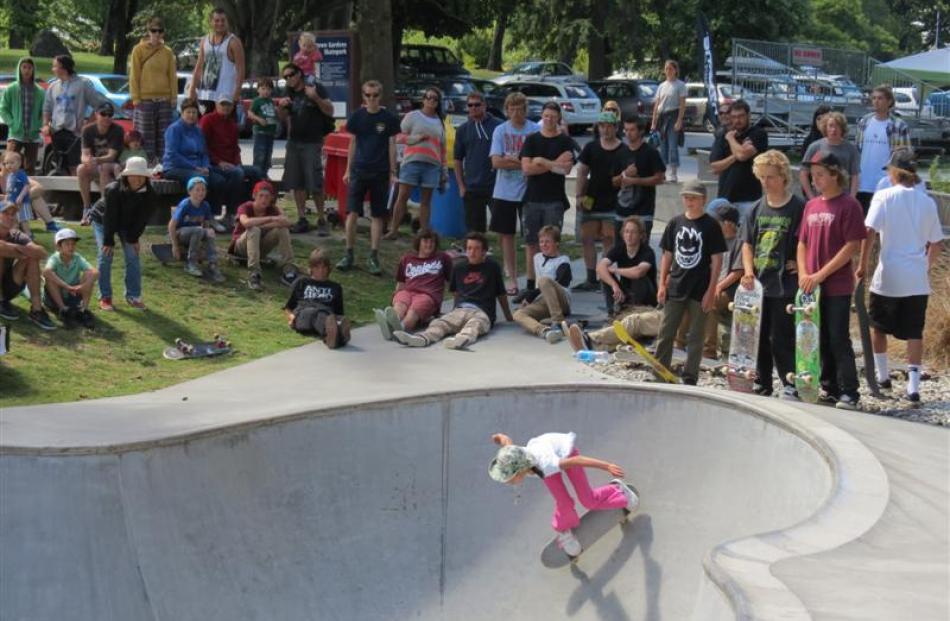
(448,211)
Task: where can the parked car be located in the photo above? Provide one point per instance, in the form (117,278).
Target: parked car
(906,103)
(495,103)
(939,101)
(697,100)
(635,97)
(539,70)
(455,90)
(115,86)
(580,105)
(426,61)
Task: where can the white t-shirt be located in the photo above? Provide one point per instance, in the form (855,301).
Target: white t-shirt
(668,95)
(875,152)
(885,183)
(510,184)
(549,449)
(906,219)
(546,267)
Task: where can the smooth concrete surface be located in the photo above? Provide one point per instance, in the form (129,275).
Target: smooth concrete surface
(351,484)
(385,511)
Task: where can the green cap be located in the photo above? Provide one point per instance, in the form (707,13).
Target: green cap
(509,461)
(607,117)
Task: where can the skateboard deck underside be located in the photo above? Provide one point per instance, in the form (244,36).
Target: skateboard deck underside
(744,342)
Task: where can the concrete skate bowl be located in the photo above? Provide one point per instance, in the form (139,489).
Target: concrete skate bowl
(385,511)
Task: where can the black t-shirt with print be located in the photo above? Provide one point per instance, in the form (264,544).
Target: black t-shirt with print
(308,291)
(547,187)
(479,284)
(692,244)
(640,200)
(308,124)
(372,133)
(604,165)
(639,291)
(737,183)
(773,234)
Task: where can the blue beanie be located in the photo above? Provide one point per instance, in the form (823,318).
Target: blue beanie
(194,180)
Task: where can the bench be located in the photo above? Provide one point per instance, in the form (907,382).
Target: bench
(63,192)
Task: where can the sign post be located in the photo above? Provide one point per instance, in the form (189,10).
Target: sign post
(339,69)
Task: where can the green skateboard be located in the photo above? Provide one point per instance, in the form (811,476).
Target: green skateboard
(807,373)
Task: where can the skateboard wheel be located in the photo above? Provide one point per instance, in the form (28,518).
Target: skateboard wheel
(216,337)
(790,309)
(790,377)
(732,306)
(178,342)
(809,308)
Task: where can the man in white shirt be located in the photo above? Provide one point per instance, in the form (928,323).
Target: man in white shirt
(906,220)
(879,134)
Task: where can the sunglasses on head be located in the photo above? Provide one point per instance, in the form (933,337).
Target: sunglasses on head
(158,30)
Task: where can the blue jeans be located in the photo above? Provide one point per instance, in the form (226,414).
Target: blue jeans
(263,150)
(669,139)
(133,267)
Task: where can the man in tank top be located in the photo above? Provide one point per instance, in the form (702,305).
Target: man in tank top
(219,70)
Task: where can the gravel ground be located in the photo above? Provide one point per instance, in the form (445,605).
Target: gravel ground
(933,408)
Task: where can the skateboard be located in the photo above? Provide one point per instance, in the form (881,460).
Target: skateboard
(744,345)
(864,327)
(807,351)
(4,339)
(183,350)
(661,371)
(164,254)
(593,526)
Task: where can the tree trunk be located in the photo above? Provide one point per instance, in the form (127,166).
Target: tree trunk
(597,42)
(22,23)
(374,24)
(124,42)
(111,25)
(498,42)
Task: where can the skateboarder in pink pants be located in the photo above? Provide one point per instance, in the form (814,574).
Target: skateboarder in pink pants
(548,456)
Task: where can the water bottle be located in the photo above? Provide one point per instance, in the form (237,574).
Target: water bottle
(590,356)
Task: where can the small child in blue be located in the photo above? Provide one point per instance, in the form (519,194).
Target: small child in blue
(547,456)
(191,225)
(17,189)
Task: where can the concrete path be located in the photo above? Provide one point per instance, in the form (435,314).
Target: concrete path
(352,484)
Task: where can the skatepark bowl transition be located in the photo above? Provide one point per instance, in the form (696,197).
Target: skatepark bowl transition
(384,510)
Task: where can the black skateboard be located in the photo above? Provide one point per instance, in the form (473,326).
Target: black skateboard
(865,329)
(164,254)
(184,350)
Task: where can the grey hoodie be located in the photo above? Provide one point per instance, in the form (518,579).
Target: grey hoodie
(66,102)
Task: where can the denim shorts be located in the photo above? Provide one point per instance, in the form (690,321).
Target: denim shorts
(420,174)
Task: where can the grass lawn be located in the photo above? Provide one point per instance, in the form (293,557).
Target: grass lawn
(85,62)
(124,354)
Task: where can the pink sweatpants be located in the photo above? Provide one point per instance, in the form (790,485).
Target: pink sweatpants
(565,516)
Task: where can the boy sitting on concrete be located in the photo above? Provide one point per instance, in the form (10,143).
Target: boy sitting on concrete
(315,306)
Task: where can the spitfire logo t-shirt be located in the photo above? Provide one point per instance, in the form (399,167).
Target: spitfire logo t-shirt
(692,244)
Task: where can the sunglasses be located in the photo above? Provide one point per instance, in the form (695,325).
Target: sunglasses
(156,30)
(287,76)
(476,104)
(105,114)
(432,97)
(371,95)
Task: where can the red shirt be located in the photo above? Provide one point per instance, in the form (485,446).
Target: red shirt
(221,136)
(247,209)
(427,275)
(827,225)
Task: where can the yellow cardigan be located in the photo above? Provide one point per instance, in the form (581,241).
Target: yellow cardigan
(152,74)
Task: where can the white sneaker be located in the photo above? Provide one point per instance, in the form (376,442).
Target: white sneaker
(384,327)
(569,543)
(552,335)
(410,340)
(457,342)
(633,498)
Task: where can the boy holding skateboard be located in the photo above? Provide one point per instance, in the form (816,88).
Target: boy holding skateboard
(548,456)
(830,235)
(910,231)
(692,246)
(769,254)
(315,306)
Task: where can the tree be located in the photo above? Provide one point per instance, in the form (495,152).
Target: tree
(23,20)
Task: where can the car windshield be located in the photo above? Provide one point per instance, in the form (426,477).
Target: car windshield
(579,91)
(458,88)
(647,89)
(529,68)
(115,85)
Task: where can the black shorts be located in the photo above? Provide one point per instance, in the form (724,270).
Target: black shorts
(504,216)
(9,289)
(376,184)
(902,318)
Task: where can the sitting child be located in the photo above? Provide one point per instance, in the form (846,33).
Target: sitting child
(191,225)
(17,189)
(69,282)
(315,306)
(308,57)
(133,148)
(552,299)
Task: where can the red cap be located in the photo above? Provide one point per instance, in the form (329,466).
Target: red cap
(262,185)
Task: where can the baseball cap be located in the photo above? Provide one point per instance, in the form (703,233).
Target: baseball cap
(194,180)
(224,99)
(825,159)
(262,185)
(106,107)
(694,187)
(607,117)
(508,462)
(725,212)
(64,234)
(902,158)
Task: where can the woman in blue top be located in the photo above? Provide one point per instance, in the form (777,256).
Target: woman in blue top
(186,155)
